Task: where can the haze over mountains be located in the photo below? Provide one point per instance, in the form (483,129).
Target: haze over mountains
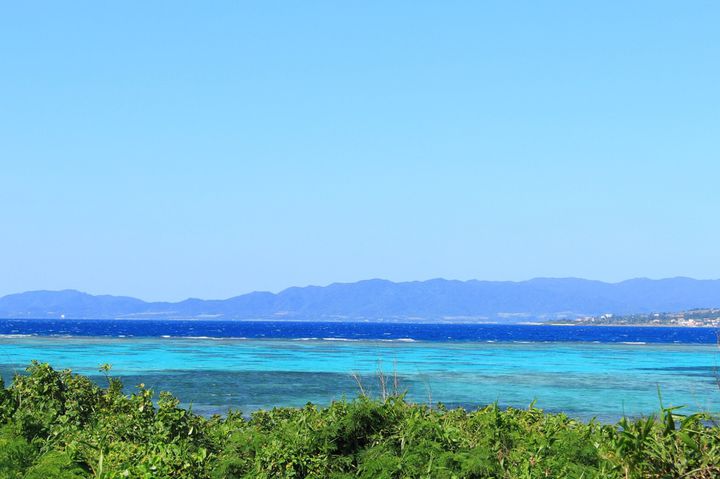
(437,299)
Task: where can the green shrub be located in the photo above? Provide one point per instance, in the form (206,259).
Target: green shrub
(55,424)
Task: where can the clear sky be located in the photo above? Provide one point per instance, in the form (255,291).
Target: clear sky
(207,149)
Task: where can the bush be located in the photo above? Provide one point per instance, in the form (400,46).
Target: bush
(55,424)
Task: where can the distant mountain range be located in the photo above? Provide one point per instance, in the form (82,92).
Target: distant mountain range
(380,300)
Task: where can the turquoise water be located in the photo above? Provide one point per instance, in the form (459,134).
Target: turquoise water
(582,379)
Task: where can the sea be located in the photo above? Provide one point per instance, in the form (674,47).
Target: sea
(586,372)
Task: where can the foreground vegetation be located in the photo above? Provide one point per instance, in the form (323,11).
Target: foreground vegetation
(54,424)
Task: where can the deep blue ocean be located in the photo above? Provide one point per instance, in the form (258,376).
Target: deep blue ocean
(355,331)
(585,372)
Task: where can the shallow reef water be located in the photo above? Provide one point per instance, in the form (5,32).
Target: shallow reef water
(584,372)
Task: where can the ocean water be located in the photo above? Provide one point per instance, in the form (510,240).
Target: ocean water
(586,372)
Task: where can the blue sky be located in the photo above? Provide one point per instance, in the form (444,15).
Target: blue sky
(175,149)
